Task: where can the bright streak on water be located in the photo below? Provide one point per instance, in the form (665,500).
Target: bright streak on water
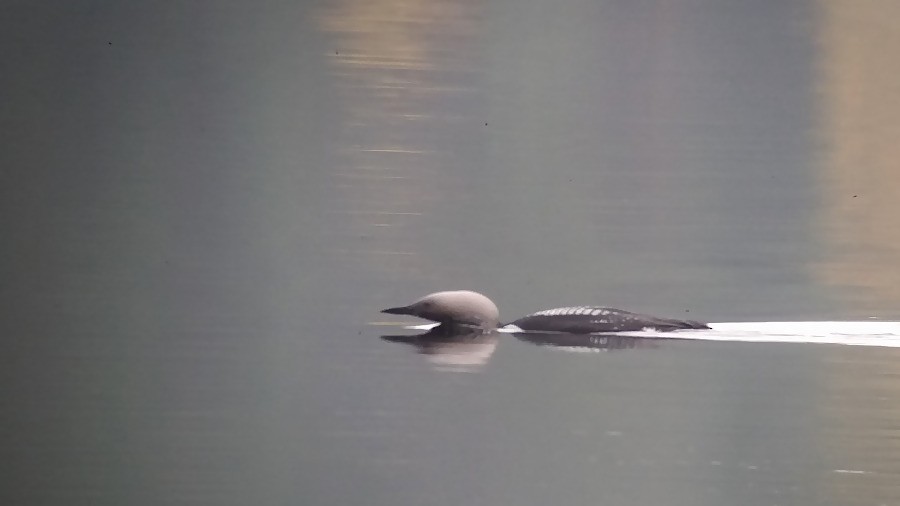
(852,333)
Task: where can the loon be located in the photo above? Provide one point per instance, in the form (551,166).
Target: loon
(468,309)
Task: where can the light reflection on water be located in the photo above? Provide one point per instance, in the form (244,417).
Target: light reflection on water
(859,195)
(860,182)
(405,76)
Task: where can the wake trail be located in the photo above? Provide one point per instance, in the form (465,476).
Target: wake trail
(852,333)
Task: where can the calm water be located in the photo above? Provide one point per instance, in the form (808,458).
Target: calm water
(205,204)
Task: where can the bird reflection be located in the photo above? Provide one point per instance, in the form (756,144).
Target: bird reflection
(585,342)
(462,349)
(456,350)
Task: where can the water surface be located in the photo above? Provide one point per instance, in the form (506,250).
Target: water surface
(204,207)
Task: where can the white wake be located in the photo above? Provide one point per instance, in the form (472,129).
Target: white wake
(852,333)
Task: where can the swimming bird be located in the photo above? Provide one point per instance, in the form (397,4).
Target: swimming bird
(466,308)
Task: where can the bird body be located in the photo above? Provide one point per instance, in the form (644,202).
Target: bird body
(471,309)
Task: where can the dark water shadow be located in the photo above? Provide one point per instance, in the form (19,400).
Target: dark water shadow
(598,342)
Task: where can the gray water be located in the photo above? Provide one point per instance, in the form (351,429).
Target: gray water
(205,205)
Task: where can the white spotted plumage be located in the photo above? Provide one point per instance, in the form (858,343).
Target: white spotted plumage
(572,311)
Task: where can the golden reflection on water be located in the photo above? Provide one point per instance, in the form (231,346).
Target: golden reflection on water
(392,62)
(860,107)
(858,44)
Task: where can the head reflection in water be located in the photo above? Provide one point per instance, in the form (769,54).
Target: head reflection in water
(464,351)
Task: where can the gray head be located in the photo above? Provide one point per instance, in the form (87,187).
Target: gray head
(456,307)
